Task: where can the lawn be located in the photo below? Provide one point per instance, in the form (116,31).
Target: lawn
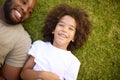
(100,55)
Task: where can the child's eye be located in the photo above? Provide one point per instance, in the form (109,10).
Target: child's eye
(61,25)
(71,29)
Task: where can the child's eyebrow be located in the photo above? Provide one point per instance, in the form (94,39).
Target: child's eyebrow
(68,25)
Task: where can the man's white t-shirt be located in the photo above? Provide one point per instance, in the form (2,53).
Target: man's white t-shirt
(50,58)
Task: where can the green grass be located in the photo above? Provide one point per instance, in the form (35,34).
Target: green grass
(100,55)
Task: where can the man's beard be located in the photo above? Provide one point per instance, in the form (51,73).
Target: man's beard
(7,11)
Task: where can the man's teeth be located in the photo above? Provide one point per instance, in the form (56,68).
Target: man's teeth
(19,15)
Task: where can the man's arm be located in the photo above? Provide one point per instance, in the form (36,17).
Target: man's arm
(10,72)
(1,76)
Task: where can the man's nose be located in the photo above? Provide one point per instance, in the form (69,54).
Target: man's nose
(25,9)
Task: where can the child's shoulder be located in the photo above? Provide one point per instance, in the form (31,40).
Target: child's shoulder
(40,43)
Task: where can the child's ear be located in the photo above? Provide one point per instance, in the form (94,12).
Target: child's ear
(72,40)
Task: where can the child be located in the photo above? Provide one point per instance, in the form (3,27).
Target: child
(65,30)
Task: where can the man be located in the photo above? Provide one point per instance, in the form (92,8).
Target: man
(14,40)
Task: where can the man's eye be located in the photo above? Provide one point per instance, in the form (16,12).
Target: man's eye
(30,11)
(24,1)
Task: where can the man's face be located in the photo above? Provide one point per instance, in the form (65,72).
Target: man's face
(17,11)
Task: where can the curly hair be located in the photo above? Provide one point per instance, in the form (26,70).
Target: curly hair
(82,29)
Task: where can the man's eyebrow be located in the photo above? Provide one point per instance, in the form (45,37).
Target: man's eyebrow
(26,0)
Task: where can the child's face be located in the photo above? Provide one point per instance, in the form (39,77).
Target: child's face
(64,32)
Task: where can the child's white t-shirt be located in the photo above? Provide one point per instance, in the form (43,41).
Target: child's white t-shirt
(50,58)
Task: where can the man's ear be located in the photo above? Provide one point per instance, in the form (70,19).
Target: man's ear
(53,32)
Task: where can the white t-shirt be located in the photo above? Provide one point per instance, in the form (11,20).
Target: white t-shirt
(50,58)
